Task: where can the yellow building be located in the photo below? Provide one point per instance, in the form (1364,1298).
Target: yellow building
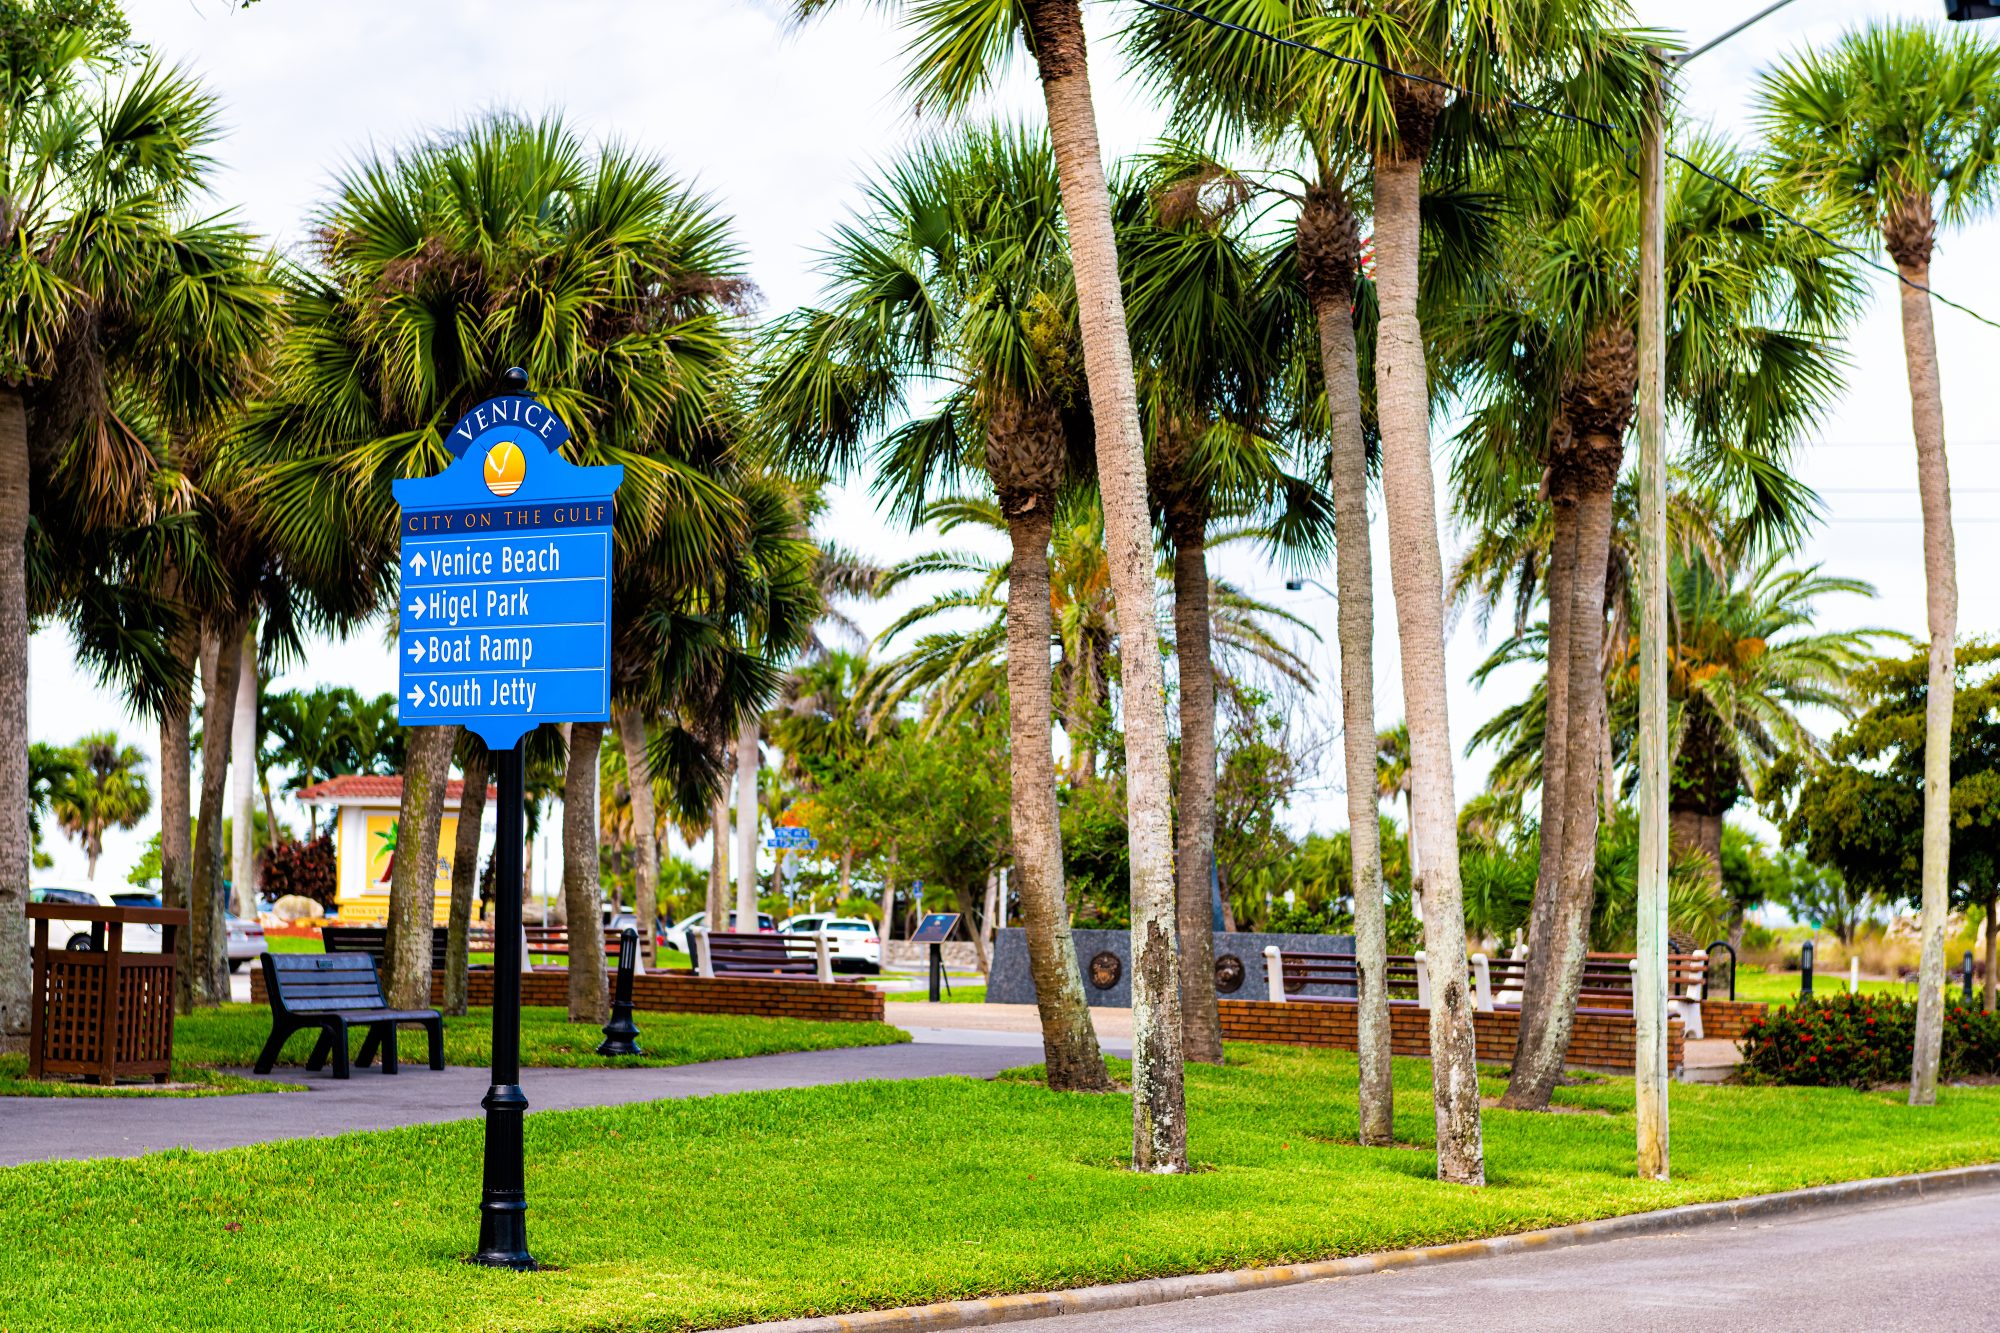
(365,842)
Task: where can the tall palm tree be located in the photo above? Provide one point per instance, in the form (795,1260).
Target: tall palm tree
(959,280)
(1543,342)
(106,789)
(955,52)
(505,243)
(1895,128)
(101,151)
(1225,83)
(1211,334)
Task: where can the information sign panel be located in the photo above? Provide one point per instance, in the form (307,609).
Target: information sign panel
(935,928)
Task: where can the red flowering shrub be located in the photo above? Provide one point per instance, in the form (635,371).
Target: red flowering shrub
(1860,1041)
(302,868)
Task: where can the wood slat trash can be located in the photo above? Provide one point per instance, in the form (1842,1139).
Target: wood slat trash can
(103,1012)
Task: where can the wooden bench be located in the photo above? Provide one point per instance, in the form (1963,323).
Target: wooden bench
(374,941)
(1288,972)
(553,942)
(1496,983)
(333,992)
(727,953)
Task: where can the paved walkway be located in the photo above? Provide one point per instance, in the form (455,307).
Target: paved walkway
(1904,1266)
(42,1128)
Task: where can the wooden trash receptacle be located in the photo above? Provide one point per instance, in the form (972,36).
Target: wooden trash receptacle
(103,1012)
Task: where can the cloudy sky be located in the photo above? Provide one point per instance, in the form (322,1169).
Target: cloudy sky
(781,127)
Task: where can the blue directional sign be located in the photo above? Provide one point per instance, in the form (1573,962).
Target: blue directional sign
(505,611)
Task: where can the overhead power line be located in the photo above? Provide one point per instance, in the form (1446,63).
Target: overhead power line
(1590,122)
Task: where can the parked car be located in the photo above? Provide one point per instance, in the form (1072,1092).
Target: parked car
(76,934)
(804,924)
(853,939)
(246,940)
(676,935)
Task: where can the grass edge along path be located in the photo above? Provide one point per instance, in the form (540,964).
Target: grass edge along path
(723,1210)
(209,1041)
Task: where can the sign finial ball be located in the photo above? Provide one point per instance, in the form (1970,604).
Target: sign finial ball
(515,381)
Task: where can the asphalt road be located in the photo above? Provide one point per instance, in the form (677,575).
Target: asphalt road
(1904,1266)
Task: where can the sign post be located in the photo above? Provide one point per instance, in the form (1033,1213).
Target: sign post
(505,624)
(934,930)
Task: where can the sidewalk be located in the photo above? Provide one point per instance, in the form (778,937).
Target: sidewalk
(51,1128)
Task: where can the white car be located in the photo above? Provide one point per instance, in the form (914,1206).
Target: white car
(77,934)
(850,939)
(246,940)
(676,935)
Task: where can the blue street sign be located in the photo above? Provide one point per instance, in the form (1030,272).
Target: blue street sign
(505,610)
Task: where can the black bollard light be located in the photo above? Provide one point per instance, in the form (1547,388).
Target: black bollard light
(1968,976)
(1805,970)
(620,1036)
(503,1206)
(937,970)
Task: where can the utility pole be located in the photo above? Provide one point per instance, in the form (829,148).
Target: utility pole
(1649,998)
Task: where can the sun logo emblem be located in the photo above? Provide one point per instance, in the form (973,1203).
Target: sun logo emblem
(505,467)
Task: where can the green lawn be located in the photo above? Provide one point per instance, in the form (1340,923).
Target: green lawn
(1783,987)
(234,1033)
(720,1210)
(964,992)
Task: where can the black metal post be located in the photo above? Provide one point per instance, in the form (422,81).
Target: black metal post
(937,970)
(620,1035)
(1805,970)
(503,1209)
(1968,976)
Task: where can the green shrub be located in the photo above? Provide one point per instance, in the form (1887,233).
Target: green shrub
(1862,1041)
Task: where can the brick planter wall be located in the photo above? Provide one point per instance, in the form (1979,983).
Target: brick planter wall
(1598,1041)
(682,993)
(1728,1018)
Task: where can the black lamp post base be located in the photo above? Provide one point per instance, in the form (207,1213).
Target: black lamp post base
(620,1034)
(503,1236)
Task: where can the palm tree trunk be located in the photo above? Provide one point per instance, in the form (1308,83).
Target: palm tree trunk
(177,815)
(464,875)
(1560,583)
(413,880)
(1069,1041)
(16,976)
(1941,598)
(748,820)
(1159,1120)
(1201,1018)
(582,894)
(208,947)
(1558,977)
(243,759)
(718,862)
(1354,579)
(645,839)
(1416,569)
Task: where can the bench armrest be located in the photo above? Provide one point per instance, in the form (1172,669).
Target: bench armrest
(1274,973)
(698,940)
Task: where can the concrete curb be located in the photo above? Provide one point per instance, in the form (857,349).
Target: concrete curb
(1158,1291)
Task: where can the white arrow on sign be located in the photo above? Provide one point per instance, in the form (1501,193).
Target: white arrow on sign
(416,610)
(416,652)
(417,562)
(416,696)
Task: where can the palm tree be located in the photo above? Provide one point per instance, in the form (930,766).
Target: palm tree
(1228,83)
(956,51)
(1743,661)
(958,279)
(106,789)
(101,150)
(1544,345)
(1895,128)
(507,242)
(1211,333)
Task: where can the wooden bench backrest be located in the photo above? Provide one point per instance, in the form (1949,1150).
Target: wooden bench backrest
(783,954)
(555,940)
(308,983)
(374,941)
(1304,969)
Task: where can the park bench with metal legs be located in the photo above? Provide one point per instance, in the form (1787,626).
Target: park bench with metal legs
(335,992)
